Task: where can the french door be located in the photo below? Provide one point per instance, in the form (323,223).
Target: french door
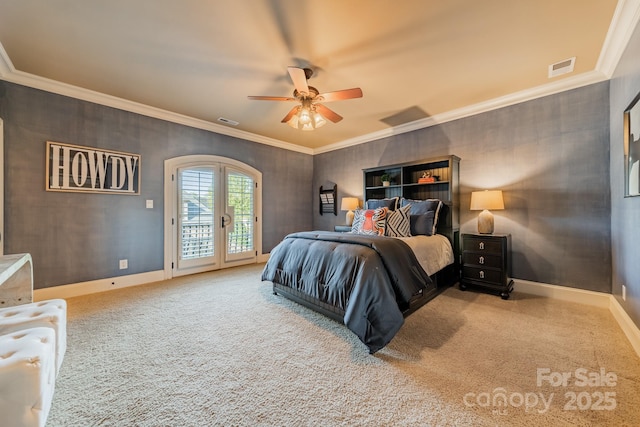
(214,214)
(1,187)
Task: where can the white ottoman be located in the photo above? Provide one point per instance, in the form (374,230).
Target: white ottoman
(27,376)
(50,313)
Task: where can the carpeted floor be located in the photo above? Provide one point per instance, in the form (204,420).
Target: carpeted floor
(220,349)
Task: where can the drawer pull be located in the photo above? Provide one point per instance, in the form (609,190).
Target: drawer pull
(481,245)
(482,274)
(481,260)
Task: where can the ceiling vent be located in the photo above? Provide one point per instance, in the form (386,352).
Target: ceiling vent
(562,67)
(228,121)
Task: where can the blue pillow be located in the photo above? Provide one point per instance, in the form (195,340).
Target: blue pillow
(419,207)
(424,215)
(391,203)
(422,224)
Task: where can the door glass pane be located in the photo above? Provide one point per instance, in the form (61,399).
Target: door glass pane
(240,189)
(196,220)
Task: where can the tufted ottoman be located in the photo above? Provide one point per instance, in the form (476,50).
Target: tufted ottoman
(27,376)
(50,313)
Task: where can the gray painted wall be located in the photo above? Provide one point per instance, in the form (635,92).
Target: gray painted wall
(550,156)
(625,212)
(76,237)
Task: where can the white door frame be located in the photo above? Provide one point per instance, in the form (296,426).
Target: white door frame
(1,187)
(170,168)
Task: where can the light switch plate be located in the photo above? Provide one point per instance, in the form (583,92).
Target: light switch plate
(149,204)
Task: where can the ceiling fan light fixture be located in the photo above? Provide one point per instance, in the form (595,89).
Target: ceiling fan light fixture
(306,118)
(304,115)
(293,121)
(318,120)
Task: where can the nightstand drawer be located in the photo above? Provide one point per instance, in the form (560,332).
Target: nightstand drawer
(483,274)
(479,244)
(483,259)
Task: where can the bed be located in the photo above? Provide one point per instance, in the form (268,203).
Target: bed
(372,278)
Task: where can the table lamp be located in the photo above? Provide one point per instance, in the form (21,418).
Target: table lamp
(484,201)
(349,204)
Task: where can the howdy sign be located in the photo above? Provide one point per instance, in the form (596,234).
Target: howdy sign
(76,168)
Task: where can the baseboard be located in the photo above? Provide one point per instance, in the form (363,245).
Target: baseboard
(102,285)
(94,286)
(591,298)
(626,324)
(581,296)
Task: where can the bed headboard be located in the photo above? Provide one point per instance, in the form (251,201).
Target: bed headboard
(431,178)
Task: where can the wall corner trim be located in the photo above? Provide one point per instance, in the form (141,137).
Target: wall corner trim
(590,298)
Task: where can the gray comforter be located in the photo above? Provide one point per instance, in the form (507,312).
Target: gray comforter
(371,278)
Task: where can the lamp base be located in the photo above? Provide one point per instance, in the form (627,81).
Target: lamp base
(485,222)
(350,215)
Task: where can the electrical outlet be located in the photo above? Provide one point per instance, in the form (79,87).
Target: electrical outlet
(124,264)
(624,293)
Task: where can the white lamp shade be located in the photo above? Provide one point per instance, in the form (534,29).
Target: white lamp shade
(483,201)
(349,204)
(487,199)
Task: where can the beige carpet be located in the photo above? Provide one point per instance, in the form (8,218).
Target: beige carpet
(220,349)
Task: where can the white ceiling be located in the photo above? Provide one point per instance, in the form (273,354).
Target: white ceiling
(422,61)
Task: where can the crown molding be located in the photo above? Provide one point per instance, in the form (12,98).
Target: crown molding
(10,74)
(6,66)
(623,23)
(563,85)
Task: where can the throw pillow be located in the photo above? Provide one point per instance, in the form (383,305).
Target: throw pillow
(398,224)
(422,224)
(391,203)
(421,207)
(369,221)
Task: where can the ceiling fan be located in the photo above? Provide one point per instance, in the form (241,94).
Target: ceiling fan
(310,114)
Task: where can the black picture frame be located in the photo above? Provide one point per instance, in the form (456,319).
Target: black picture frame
(632,148)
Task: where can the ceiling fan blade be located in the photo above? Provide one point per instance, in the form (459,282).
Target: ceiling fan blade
(299,79)
(339,95)
(290,114)
(327,113)
(271,98)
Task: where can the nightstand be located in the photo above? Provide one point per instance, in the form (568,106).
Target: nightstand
(342,228)
(486,262)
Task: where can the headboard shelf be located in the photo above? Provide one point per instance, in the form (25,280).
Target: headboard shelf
(440,176)
(442,182)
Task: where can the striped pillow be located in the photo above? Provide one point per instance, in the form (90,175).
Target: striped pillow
(398,223)
(369,221)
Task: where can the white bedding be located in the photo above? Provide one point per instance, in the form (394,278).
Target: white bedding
(433,252)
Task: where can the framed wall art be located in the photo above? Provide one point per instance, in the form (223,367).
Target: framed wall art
(632,148)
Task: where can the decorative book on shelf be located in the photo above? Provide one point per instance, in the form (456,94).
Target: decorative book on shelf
(426,178)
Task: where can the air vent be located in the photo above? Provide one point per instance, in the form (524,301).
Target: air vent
(562,67)
(228,121)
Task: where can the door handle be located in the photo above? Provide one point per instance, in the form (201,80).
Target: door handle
(226,220)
